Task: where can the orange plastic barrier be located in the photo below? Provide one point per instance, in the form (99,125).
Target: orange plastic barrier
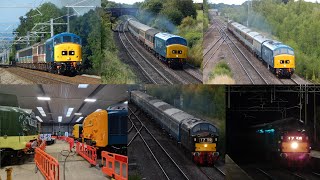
(48,166)
(115,165)
(87,152)
(70,141)
(43,145)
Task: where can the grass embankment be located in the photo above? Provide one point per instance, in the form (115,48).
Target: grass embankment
(192,30)
(221,74)
(113,71)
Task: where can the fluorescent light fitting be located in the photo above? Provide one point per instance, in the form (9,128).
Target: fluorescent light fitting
(39,118)
(82,86)
(90,100)
(98,110)
(69,112)
(44,98)
(77,114)
(59,118)
(79,119)
(41,111)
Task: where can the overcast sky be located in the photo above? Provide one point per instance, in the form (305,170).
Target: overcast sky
(238,1)
(11,10)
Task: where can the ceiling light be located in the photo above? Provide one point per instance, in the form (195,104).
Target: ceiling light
(83,86)
(77,114)
(90,100)
(98,110)
(39,118)
(41,111)
(59,118)
(79,119)
(44,98)
(69,112)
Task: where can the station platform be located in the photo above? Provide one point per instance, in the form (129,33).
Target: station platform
(76,167)
(234,172)
(315,154)
(315,160)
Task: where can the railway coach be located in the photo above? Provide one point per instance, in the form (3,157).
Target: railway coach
(199,137)
(280,58)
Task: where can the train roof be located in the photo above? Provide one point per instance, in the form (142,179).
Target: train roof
(139,25)
(260,38)
(166,36)
(253,34)
(63,34)
(152,31)
(15,109)
(273,45)
(188,120)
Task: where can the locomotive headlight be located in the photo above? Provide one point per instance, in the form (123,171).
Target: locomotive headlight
(205,145)
(294,145)
(195,139)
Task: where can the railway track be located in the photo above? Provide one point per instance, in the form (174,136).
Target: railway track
(168,166)
(151,72)
(251,71)
(289,81)
(39,77)
(213,173)
(281,173)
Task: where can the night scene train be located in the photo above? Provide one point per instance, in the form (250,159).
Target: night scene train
(286,140)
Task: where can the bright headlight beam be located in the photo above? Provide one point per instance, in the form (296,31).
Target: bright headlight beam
(294,145)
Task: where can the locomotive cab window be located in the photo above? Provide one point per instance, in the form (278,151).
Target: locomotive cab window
(57,41)
(287,61)
(66,38)
(179,52)
(281,61)
(76,40)
(174,52)
(64,53)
